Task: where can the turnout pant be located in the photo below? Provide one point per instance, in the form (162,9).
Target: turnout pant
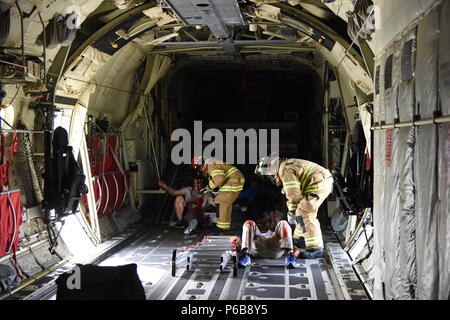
(224,206)
(266,246)
(307,224)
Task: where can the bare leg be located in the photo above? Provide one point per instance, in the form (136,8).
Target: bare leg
(179,207)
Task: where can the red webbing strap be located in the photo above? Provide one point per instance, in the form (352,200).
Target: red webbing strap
(101,197)
(16,209)
(4,225)
(7,156)
(14,145)
(126,180)
(117,191)
(4,182)
(105,184)
(2,148)
(112,192)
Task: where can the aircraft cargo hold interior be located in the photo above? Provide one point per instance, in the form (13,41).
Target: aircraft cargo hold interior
(224,150)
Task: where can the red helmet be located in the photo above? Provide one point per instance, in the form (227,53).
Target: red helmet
(197,162)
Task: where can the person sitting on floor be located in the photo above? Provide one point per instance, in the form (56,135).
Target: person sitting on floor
(269,245)
(188,197)
(256,200)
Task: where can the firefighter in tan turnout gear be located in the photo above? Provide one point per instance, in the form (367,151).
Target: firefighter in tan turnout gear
(306,186)
(224,179)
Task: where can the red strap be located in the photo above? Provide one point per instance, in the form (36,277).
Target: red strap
(4,182)
(19,273)
(14,144)
(2,147)
(368,160)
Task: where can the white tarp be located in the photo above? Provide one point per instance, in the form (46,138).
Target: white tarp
(115,79)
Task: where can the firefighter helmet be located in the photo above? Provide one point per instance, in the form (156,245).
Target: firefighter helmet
(268,167)
(198,163)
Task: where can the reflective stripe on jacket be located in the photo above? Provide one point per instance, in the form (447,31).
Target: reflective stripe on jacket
(225,176)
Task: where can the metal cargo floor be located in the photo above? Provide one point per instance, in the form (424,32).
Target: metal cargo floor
(151,247)
(264,279)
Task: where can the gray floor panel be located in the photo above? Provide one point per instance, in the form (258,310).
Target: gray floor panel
(179,285)
(267,269)
(267,279)
(218,286)
(266,292)
(234,286)
(298,270)
(294,280)
(321,292)
(196,291)
(159,259)
(299,293)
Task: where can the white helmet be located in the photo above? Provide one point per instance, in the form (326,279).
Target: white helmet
(268,167)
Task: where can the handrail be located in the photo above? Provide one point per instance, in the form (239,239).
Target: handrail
(413,123)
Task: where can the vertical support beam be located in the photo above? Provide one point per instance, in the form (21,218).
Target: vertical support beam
(76,130)
(347,99)
(93,217)
(44,48)
(368,57)
(326,118)
(331,204)
(347,94)
(345,155)
(365,116)
(127,168)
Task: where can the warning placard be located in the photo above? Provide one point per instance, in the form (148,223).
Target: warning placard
(388,147)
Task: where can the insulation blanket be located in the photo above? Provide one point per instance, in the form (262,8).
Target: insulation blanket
(411,165)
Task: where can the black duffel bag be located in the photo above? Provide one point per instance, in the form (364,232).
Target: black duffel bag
(90,282)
